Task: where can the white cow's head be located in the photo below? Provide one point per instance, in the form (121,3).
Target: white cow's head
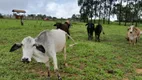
(28,45)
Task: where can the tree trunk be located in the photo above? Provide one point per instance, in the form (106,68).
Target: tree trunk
(109,14)
(95,14)
(91,19)
(99,13)
(126,14)
(137,17)
(104,20)
(104,13)
(120,13)
(135,14)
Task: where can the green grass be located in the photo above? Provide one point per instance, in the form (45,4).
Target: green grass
(88,60)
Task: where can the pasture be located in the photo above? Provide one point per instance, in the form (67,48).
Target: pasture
(111,59)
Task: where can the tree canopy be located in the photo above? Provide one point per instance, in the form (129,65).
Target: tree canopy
(125,10)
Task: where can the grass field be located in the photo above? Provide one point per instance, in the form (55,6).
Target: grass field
(111,59)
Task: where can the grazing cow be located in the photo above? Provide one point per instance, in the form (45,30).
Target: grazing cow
(98,31)
(45,45)
(133,34)
(64,27)
(90,29)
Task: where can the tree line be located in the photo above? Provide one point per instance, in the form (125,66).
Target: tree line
(127,11)
(29,16)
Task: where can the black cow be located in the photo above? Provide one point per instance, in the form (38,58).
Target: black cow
(69,25)
(64,27)
(98,31)
(90,29)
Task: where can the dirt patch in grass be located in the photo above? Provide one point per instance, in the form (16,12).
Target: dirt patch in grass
(139,71)
(82,66)
(39,72)
(73,67)
(125,79)
(43,73)
(2,43)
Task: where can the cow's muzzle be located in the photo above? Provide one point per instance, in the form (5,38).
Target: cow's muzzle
(131,32)
(25,60)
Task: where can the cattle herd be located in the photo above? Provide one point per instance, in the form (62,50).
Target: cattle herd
(49,42)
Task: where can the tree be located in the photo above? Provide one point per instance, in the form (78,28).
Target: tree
(1,16)
(95,6)
(40,16)
(126,12)
(32,16)
(86,9)
(75,17)
(110,9)
(83,10)
(120,12)
(139,10)
(104,10)
(100,8)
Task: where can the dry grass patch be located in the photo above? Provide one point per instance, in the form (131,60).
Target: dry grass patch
(139,71)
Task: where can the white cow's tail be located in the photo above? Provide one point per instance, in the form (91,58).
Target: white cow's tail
(72,40)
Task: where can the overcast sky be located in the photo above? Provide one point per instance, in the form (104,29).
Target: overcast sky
(56,8)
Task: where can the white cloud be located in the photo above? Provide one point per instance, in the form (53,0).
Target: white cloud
(6,6)
(113,18)
(62,10)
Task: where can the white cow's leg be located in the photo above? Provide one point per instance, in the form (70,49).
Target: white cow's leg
(55,65)
(65,56)
(48,69)
(55,62)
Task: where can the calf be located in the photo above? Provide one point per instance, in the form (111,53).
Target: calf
(90,29)
(64,27)
(98,31)
(133,34)
(45,45)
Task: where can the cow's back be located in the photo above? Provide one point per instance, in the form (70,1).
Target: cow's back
(98,29)
(65,27)
(59,38)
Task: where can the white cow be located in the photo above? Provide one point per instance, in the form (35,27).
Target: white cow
(45,45)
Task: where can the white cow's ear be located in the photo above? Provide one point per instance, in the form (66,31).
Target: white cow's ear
(40,48)
(15,47)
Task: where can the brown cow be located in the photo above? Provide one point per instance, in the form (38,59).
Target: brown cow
(133,34)
(64,27)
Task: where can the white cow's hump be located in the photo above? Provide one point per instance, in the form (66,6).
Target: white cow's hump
(58,31)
